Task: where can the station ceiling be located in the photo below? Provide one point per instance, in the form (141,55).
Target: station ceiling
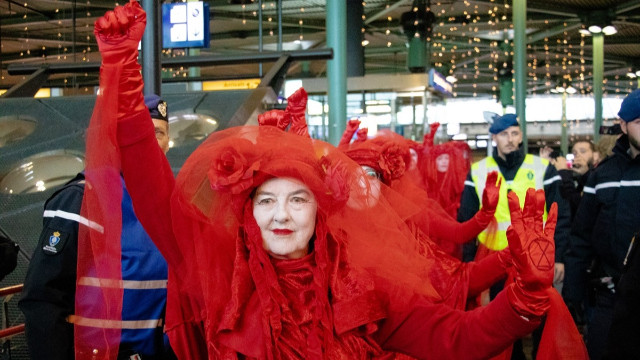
(471,40)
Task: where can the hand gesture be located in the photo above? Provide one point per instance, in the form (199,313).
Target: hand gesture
(531,242)
(491,192)
(352,127)
(119,31)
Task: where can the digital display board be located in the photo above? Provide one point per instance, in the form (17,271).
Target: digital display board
(185,25)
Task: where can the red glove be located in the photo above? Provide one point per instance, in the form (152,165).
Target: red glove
(428,138)
(490,197)
(296,107)
(533,251)
(118,33)
(362,134)
(352,127)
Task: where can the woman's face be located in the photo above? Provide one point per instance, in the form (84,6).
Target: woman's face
(285,210)
(369,192)
(442,163)
(414,159)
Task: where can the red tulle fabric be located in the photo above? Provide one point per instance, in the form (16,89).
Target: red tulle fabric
(446,187)
(213,190)
(99,240)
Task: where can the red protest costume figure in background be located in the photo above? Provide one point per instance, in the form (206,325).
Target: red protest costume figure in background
(390,156)
(444,168)
(258,217)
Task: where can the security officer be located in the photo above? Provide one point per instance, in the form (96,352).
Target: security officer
(605,222)
(518,172)
(48,297)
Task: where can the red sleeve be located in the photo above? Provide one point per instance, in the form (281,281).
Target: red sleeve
(428,331)
(150,181)
(484,273)
(445,228)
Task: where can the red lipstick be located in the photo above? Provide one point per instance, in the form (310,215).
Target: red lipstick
(282,231)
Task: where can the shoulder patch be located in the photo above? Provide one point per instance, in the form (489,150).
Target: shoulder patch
(54,243)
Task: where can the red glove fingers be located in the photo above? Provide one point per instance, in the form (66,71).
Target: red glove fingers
(297,102)
(118,33)
(352,127)
(361,135)
(533,250)
(491,192)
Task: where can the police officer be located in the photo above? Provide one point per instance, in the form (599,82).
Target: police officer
(48,297)
(605,222)
(518,172)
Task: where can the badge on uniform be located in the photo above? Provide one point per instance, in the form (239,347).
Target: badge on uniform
(530,175)
(54,243)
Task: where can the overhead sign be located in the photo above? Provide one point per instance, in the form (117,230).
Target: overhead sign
(185,25)
(440,83)
(220,85)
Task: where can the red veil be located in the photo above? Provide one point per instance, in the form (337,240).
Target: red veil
(446,187)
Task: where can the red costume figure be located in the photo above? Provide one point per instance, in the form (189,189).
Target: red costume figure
(389,154)
(244,281)
(444,168)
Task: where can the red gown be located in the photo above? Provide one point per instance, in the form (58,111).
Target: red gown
(448,333)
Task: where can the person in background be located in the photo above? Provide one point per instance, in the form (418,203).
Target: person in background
(575,174)
(605,222)
(48,298)
(518,172)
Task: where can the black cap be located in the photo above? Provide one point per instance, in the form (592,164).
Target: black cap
(157,107)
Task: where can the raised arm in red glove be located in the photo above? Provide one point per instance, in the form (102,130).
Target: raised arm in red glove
(447,229)
(352,127)
(118,33)
(532,249)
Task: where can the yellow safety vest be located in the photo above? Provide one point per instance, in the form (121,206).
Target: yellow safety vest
(529,175)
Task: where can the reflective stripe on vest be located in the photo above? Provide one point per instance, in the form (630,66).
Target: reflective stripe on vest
(530,174)
(114,324)
(123,284)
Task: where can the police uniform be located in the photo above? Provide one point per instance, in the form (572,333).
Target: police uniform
(624,334)
(605,222)
(48,299)
(518,172)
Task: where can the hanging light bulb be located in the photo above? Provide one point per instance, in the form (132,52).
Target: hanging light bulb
(609,30)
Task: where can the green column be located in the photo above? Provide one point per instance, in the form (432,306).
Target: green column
(337,68)
(520,64)
(194,72)
(598,66)
(564,145)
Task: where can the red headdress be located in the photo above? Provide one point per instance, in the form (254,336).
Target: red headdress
(446,187)
(242,284)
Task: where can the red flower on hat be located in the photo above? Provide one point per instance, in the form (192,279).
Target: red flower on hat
(391,161)
(231,171)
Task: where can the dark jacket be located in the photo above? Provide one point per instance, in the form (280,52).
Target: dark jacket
(624,334)
(571,188)
(470,203)
(605,222)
